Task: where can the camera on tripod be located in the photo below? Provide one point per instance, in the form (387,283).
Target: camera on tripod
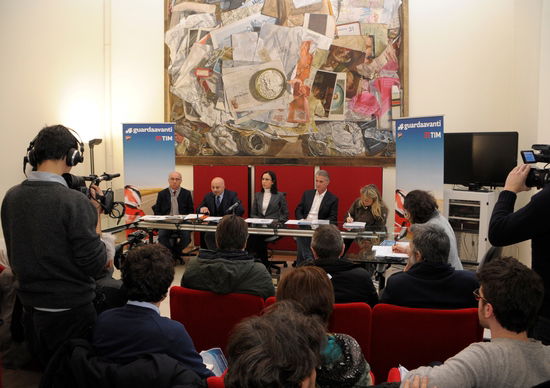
(79,183)
(538,177)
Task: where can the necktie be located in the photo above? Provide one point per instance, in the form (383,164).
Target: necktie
(218,201)
(174,204)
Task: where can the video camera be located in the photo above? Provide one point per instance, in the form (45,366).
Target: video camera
(79,183)
(538,177)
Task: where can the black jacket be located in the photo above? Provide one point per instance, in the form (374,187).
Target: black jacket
(530,222)
(328,210)
(76,365)
(351,282)
(164,203)
(229,198)
(431,285)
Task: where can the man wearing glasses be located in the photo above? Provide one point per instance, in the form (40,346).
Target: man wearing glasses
(509,299)
(172,201)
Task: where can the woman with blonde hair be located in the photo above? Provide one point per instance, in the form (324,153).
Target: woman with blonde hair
(368,208)
(342,360)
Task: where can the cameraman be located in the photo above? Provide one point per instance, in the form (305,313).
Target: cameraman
(530,222)
(53,242)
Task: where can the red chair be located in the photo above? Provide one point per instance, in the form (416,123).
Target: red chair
(215,382)
(414,337)
(353,319)
(209,317)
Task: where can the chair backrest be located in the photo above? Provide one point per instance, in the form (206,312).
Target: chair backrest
(215,382)
(414,337)
(209,317)
(353,319)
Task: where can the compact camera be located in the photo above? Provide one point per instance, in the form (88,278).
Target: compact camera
(538,177)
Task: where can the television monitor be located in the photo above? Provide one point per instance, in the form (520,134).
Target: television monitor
(477,159)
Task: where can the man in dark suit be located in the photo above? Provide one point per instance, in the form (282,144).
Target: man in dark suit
(318,204)
(428,280)
(174,200)
(218,203)
(124,334)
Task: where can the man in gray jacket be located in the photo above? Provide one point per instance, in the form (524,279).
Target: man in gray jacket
(229,269)
(509,299)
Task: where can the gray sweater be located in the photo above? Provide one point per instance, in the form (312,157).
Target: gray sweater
(52,244)
(439,220)
(500,363)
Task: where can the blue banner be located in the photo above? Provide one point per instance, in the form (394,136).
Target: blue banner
(149,154)
(419,158)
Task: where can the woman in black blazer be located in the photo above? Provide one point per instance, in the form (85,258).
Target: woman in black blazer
(268,203)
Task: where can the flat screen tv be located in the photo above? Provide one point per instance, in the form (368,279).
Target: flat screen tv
(477,159)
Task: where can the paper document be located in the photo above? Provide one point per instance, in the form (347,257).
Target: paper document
(213,219)
(259,220)
(403,372)
(194,217)
(214,360)
(161,218)
(307,222)
(355,224)
(292,222)
(386,251)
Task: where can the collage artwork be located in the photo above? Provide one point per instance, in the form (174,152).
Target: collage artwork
(284,78)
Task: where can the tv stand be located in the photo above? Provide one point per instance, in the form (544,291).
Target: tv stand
(469,213)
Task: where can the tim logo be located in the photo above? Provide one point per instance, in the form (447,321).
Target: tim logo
(163,138)
(432,135)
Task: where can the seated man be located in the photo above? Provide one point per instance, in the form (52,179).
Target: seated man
(428,279)
(351,282)
(277,349)
(317,204)
(509,299)
(124,334)
(229,269)
(218,203)
(172,201)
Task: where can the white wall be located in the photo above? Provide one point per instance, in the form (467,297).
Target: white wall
(94,64)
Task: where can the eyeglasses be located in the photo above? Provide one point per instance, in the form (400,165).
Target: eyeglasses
(478,296)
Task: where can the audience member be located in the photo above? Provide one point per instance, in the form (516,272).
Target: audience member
(124,334)
(509,299)
(428,280)
(229,269)
(342,361)
(317,204)
(52,236)
(421,208)
(508,227)
(351,282)
(268,203)
(172,201)
(218,203)
(368,208)
(278,349)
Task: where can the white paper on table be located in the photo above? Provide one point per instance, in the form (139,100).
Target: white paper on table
(193,217)
(354,224)
(259,220)
(320,222)
(213,219)
(152,218)
(293,222)
(386,251)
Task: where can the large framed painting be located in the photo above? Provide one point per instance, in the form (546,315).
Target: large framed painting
(285,81)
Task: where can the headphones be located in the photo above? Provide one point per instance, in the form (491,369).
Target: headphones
(73,157)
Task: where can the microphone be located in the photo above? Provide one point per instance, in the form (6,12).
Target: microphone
(106,177)
(232,207)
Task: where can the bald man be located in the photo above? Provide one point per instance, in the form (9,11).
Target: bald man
(218,203)
(174,200)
